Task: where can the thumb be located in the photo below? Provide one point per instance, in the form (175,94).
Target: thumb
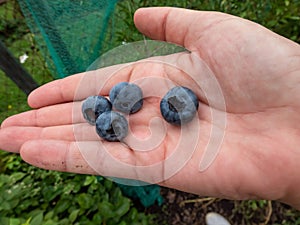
(179,26)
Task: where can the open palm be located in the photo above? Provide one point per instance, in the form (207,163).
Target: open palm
(258,73)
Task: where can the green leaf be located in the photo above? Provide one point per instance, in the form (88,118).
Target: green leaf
(27,222)
(294,18)
(50,222)
(38,219)
(97,218)
(5,206)
(124,207)
(17,176)
(12,192)
(62,205)
(106,210)
(13,203)
(4,221)
(73,215)
(85,200)
(4,179)
(14,221)
(77,187)
(254,205)
(108,184)
(64,221)
(133,214)
(89,180)
(49,215)
(51,192)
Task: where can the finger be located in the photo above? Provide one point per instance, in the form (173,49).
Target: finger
(62,114)
(101,158)
(12,138)
(55,155)
(71,113)
(77,87)
(179,26)
(98,82)
(20,135)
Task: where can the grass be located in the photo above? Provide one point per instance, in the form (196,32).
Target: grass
(281,16)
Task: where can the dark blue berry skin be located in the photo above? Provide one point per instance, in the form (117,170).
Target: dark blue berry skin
(94,106)
(112,126)
(126,97)
(179,106)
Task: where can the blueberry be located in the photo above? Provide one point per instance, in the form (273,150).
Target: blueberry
(94,106)
(126,97)
(112,126)
(179,105)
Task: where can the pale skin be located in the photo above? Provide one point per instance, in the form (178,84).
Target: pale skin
(259,74)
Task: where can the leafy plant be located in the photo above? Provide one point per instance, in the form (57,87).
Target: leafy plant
(33,196)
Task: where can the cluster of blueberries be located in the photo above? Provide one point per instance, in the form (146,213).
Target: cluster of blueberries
(177,107)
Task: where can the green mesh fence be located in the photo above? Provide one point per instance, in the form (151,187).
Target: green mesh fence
(69,33)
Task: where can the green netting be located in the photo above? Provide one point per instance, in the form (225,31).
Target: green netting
(70,33)
(147,195)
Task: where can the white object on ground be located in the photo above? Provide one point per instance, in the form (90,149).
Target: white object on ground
(23,58)
(215,219)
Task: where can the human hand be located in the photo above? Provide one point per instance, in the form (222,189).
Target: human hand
(259,75)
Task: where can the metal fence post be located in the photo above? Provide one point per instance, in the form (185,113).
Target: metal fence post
(14,70)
